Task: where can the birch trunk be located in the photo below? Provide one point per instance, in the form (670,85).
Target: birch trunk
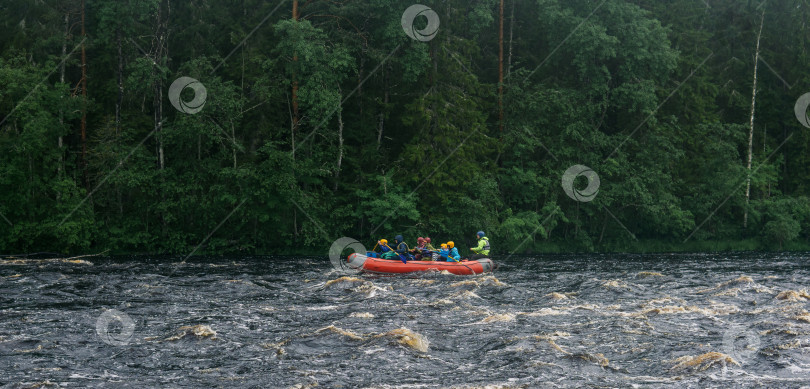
(386,96)
(751,129)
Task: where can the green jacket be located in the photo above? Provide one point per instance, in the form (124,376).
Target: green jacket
(483,246)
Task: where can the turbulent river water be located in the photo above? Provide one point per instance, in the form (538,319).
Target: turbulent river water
(663,320)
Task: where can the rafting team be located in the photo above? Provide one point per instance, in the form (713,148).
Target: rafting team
(425,251)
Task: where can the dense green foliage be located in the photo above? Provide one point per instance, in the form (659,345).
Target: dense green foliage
(395,135)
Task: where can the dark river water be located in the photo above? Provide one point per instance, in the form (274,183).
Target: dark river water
(680,320)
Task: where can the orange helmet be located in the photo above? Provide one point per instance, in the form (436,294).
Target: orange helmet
(444,245)
(450,244)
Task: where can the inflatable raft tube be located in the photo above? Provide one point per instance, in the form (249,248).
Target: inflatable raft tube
(395,266)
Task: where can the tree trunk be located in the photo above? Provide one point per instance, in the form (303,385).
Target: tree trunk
(434,107)
(764,138)
(84,104)
(233,138)
(294,125)
(500,70)
(118,106)
(511,34)
(508,73)
(384,109)
(159,123)
(161,50)
(294,87)
(340,143)
(360,73)
(751,130)
(120,101)
(61,168)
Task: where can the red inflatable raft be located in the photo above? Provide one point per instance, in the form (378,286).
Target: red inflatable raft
(395,266)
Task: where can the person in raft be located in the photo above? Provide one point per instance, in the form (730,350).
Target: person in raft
(429,246)
(385,251)
(430,253)
(402,247)
(375,253)
(382,244)
(444,252)
(454,255)
(482,251)
(420,247)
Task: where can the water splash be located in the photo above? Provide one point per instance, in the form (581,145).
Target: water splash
(362,315)
(340,331)
(500,317)
(556,296)
(343,279)
(199,331)
(702,362)
(793,295)
(408,338)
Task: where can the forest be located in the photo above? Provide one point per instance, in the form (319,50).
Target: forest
(276,127)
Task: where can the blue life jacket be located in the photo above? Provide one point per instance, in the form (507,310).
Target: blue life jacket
(454,255)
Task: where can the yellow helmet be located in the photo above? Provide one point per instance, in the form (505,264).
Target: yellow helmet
(384,241)
(450,244)
(444,245)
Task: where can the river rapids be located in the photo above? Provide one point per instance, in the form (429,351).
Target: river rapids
(590,320)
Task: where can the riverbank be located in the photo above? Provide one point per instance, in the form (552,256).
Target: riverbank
(660,246)
(634,247)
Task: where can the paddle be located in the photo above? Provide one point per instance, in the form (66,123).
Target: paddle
(401,256)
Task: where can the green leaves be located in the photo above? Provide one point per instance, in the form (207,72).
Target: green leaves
(387,206)
(394,135)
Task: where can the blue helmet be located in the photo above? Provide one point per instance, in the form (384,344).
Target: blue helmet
(481,234)
(398,238)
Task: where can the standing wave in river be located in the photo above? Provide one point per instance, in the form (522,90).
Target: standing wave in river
(666,320)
